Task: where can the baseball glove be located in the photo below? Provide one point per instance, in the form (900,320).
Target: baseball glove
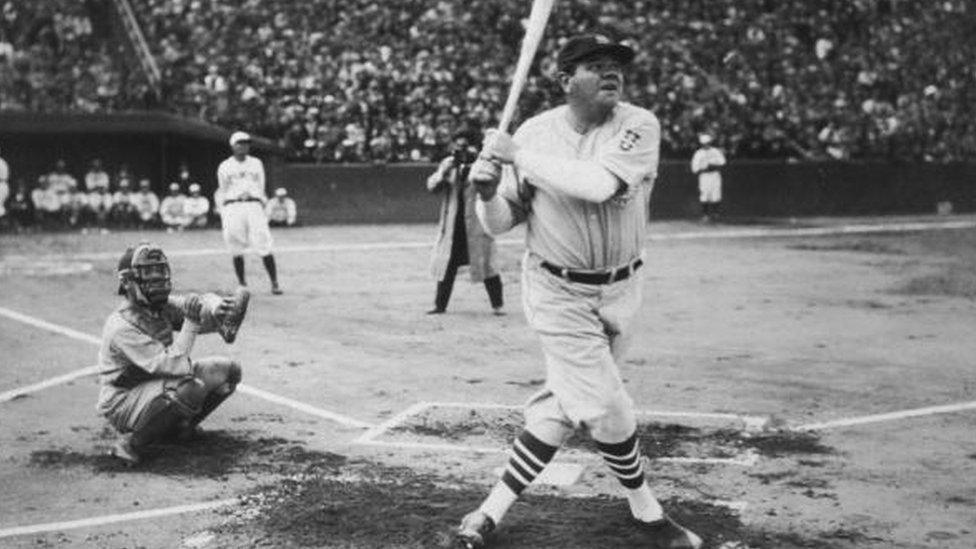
(214,313)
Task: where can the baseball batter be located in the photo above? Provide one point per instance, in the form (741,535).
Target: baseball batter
(707,164)
(579,176)
(241,194)
(150,389)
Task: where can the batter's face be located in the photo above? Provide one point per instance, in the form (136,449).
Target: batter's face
(597,81)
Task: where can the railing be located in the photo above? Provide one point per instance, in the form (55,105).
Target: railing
(138,41)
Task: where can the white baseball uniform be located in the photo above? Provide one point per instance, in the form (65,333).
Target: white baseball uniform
(241,190)
(705,164)
(584,326)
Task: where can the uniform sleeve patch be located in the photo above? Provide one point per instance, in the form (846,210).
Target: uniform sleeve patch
(629,140)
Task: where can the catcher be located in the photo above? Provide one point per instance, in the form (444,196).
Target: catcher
(150,388)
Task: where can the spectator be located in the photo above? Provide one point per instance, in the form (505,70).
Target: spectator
(196,208)
(146,204)
(96,178)
(281,209)
(172,210)
(61,184)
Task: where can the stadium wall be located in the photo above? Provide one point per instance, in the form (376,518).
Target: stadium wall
(380,193)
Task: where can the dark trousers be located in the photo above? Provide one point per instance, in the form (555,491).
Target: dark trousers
(493,284)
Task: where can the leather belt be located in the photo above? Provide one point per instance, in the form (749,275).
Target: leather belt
(233,200)
(594,277)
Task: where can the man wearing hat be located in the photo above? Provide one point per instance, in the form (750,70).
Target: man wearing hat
(461,240)
(172,211)
(281,210)
(242,196)
(579,176)
(707,164)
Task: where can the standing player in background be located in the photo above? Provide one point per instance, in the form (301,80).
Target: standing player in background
(461,240)
(707,164)
(146,203)
(281,210)
(242,195)
(196,207)
(579,176)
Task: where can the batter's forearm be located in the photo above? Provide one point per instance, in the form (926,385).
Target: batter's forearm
(495,214)
(582,179)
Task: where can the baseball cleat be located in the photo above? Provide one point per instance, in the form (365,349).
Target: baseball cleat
(232,322)
(665,533)
(436,311)
(124,451)
(276,290)
(498,311)
(475,528)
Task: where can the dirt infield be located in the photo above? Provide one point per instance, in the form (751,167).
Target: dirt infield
(802,385)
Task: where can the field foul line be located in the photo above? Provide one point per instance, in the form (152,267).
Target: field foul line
(689,235)
(244,388)
(369,438)
(113,519)
(890,416)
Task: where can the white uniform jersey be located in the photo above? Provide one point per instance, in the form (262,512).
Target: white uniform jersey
(241,180)
(195,206)
(146,203)
(574,233)
(705,160)
(706,163)
(281,210)
(4,171)
(96,180)
(171,210)
(99,202)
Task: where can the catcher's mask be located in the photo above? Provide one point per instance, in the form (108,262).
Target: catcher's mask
(144,275)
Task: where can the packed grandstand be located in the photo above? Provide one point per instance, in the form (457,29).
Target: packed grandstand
(391,81)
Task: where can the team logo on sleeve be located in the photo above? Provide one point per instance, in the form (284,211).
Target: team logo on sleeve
(629,140)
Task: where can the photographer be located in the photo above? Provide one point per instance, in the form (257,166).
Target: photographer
(460,238)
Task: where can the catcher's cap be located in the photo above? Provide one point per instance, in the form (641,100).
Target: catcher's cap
(194,188)
(579,48)
(280,191)
(240,137)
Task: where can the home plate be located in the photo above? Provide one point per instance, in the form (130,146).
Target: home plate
(555,474)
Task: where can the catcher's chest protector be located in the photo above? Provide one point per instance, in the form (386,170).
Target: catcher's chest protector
(155,326)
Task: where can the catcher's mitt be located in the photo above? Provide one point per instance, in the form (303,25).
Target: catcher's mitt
(214,313)
(230,314)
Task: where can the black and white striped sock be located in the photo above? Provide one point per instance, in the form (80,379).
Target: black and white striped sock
(529,456)
(624,459)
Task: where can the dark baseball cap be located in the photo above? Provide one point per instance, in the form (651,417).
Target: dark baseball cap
(579,48)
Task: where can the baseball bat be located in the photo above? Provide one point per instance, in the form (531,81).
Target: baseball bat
(530,43)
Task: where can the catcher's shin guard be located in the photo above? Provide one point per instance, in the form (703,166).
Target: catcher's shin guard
(165,412)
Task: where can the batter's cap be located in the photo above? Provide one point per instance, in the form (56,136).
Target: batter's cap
(586,46)
(239,137)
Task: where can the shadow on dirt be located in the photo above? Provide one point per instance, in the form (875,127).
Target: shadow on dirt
(214,454)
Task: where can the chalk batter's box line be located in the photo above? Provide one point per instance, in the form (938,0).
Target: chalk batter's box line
(369,438)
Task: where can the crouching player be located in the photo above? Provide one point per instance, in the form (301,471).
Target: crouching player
(150,388)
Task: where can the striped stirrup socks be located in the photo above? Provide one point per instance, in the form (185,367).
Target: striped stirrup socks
(529,456)
(624,459)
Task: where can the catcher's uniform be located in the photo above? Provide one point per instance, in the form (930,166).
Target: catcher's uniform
(581,275)
(137,363)
(241,195)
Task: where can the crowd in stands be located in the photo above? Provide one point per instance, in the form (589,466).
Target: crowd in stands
(361,80)
(99,202)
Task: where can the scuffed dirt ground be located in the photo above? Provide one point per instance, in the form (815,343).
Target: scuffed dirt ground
(797,329)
